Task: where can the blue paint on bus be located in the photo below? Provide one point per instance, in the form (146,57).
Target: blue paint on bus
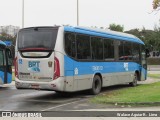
(101,67)
(106,34)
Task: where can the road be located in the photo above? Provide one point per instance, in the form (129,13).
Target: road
(12,99)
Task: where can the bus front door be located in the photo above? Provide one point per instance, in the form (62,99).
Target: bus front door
(3,79)
(143,65)
(8,67)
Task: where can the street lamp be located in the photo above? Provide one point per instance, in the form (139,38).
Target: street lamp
(22,13)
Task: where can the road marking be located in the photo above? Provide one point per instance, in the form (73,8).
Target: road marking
(51,101)
(62,105)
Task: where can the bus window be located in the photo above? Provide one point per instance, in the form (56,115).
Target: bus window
(121,49)
(128,51)
(37,38)
(125,51)
(9,57)
(143,54)
(70,46)
(136,52)
(97,48)
(108,49)
(83,47)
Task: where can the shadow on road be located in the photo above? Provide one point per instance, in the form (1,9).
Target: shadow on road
(54,96)
(116,87)
(3,88)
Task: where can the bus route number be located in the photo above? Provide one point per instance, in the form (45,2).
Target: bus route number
(97,68)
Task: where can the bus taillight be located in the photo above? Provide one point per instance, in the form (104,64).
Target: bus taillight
(16,67)
(56,68)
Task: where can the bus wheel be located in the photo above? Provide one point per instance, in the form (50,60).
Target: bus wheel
(96,85)
(135,78)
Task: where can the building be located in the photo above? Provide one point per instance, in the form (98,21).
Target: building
(11,30)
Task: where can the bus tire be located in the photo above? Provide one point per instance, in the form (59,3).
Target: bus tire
(96,85)
(135,79)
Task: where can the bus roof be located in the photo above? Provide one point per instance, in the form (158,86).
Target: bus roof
(104,33)
(2,43)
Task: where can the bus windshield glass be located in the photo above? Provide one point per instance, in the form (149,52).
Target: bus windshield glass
(37,38)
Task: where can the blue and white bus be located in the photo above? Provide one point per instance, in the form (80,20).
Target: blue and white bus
(5,64)
(67,59)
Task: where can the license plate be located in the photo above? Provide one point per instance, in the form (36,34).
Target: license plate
(25,77)
(35,86)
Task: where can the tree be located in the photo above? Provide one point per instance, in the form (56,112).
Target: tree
(156,4)
(4,36)
(149,37)
(115,27)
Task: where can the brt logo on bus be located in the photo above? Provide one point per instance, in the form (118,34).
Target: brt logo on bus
(34,66)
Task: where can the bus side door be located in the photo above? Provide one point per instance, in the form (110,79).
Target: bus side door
(8,68)
(143,64)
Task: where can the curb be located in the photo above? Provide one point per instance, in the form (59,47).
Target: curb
(134,103)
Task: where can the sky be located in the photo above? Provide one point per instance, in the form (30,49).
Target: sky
(129,13)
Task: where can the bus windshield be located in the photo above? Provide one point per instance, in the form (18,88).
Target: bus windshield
(37,38)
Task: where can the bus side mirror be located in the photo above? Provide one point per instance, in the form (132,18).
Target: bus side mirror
(147,53)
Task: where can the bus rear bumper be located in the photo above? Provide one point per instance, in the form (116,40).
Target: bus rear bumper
(55,85)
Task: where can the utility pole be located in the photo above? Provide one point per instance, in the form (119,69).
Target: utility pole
(22,13)
(77,12)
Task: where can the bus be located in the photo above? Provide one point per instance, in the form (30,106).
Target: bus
(5,64)
(69,59)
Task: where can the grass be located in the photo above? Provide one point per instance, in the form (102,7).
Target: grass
(156,76)
(140,94)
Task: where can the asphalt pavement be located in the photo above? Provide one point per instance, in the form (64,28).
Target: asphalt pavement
(12,99)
